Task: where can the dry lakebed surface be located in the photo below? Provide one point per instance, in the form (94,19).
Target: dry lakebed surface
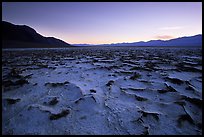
(102,90)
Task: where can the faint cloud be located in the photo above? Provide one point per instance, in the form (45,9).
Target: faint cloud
(164,37)
(171,28)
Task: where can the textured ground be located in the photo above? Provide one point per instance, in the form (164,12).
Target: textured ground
(143,91)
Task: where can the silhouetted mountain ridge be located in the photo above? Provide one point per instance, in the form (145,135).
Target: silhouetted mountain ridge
(182,41)
(25,34)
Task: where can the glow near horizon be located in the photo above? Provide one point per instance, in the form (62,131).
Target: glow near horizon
(107,22)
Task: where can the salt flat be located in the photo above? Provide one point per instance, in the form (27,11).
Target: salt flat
(102,90)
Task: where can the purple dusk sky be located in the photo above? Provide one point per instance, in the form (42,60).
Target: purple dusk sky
(107,22)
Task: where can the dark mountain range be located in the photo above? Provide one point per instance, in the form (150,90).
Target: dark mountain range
(183,41)
(22,36)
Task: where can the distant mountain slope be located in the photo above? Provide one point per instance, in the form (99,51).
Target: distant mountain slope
(12,34)
(183,41)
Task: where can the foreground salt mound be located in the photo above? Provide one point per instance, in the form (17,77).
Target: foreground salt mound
(140,91)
